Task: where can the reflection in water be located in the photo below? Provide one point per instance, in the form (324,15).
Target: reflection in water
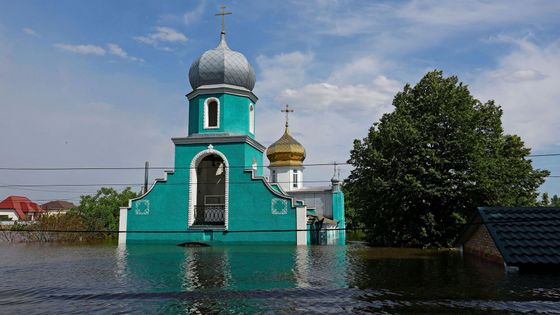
(234,267)
(247,279)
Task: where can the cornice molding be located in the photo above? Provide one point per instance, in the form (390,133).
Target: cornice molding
(211,139)
(222,88)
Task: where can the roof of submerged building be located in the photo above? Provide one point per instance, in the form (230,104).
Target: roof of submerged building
(523,235)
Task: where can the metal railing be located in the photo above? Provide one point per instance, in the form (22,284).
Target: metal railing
(209,215)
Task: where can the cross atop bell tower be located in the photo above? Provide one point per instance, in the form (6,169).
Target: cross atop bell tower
(287,110)
(223,13)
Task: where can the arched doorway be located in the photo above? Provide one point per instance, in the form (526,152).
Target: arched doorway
(208,184)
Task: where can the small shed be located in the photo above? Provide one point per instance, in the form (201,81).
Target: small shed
(522,237)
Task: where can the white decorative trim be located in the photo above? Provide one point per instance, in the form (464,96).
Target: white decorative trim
(254,165)
(252,118)
(193,183)
(222,89)
(205,110)
(164,179)
(142,207)
(123,216)
(282,193)
(123,222)
(202,138)
(301,225)
(279,206)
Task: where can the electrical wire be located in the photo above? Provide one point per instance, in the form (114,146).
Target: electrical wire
(261,230)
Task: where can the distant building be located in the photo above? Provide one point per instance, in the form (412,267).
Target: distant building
(57,207)
(525,237)
(18,208)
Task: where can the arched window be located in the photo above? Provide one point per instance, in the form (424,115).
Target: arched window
(211,113)
(208,190)
(251,119)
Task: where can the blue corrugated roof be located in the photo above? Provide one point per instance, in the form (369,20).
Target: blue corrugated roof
(526,235)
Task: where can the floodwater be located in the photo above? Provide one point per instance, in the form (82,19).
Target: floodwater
(147,279)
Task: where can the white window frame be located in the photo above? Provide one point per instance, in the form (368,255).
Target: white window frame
(206,112)
(251,118)
(193,184)
(295,179)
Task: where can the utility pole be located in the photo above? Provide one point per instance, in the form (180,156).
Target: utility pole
(146,167)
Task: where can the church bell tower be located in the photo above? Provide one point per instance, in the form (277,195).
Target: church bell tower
(222,101)
(286,157)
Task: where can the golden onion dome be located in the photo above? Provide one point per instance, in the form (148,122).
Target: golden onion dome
(286,151)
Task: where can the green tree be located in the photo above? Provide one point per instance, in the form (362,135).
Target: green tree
(424,168)
(555,201)
(546,201)
(101,211)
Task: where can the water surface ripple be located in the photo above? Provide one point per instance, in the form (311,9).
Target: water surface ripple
(140,279)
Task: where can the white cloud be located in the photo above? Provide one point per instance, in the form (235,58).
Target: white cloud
(359,70)
(82,49)
(192,16)
(30,31)
(373,98)
(329,113)
(354,86)
(401,27)
(525,83)
(286,70)
(116,50)
(163,35)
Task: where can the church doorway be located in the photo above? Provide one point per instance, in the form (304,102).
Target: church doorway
(210,191)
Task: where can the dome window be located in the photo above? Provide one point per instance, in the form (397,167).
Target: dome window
(211,113)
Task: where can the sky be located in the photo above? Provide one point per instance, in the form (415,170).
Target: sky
(103,83)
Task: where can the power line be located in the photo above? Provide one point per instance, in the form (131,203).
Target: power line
(95,168)
(30,186)
(261,230)
(140,184)
(544,155)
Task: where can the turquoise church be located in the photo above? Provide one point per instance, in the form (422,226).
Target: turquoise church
(218,191)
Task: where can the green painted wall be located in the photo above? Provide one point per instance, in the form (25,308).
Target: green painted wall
(249,203)
(338,207)
(233,117)
(338,215)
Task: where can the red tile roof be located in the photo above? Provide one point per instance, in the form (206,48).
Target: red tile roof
(21,205)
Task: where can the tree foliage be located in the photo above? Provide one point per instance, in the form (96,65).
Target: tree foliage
(424,168)
(101,211)
(546,201)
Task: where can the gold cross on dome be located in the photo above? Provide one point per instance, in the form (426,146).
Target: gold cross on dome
(287,111)
(223,13)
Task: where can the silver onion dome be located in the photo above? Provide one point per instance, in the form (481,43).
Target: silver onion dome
(222,65)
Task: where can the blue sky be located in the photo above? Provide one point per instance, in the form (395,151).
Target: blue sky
(102,83)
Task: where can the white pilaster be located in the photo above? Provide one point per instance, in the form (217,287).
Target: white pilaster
(301,225)
(123,224)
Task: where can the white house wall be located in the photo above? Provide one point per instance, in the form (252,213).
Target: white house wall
(284,177)
(320,200)
(12,214)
